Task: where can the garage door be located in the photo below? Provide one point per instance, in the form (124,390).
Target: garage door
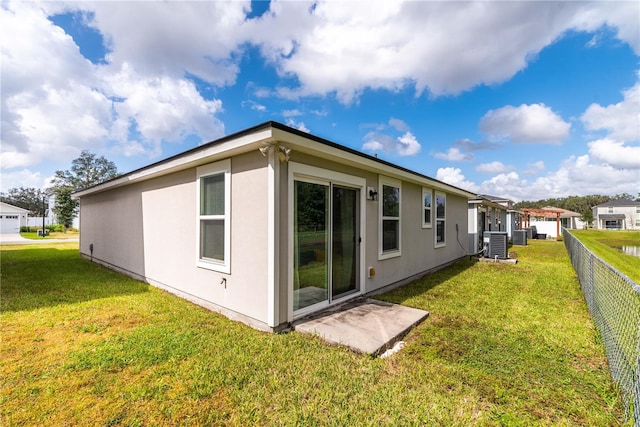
(9,224)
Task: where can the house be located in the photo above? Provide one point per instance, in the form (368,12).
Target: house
(271,224)
(550,220)
(12,218)
(621,214)
(491,213)
(485,215)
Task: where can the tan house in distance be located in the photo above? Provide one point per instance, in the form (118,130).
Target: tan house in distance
(271,224)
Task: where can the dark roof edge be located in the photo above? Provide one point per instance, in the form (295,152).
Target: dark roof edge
(205,145)
(285,128)
(280,126)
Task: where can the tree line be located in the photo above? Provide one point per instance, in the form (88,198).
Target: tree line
(86,171)
(580,204)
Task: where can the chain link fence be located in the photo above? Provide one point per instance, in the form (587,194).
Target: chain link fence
(614,304)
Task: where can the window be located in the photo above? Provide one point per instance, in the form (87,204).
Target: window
(389,218)
(610,209)
(426,207)
(214,207)
(441,218)
(637,209)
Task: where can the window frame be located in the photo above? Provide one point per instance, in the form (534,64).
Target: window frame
(218,168)
(395,183)
(426,224)
(438,220)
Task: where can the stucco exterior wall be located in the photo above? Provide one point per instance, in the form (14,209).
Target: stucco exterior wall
(150,229)
(418,250)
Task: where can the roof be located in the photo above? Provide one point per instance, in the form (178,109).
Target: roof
(550,212)
(256,137)
(618,202)
(611,216)
(495,198)
(565,213)
(7,208)
(484,201)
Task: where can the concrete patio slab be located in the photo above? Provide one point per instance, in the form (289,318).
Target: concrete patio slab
(364,325)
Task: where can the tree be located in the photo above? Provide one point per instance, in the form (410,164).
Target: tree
(26,198)
(86,171)
(65,207)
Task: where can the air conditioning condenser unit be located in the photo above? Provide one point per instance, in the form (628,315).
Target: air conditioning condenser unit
(495,244)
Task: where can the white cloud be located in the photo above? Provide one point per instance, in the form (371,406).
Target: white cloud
(621,120)
(398,125)
(163,109)
(22,178)
(615,153)
(297,125)
(379,140)
(455,177)
(254,106)
(534,168)
(534,123)
(493,167)
(54,97)
(45,83)
(408,145)
(454,155)
(442,47)
(577,175)
(199,37)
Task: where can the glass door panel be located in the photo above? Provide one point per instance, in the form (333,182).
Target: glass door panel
(344,241)
(311,244)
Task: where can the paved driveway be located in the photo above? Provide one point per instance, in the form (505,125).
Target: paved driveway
(12,238)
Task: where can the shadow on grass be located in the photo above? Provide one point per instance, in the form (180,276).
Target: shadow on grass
(33,278)
(426,283)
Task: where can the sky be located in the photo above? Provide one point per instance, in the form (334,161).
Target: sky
(517,99)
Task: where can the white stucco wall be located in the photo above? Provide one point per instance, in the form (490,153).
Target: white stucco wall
(149,229)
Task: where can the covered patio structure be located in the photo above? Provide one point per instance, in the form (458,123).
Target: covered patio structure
(543,213)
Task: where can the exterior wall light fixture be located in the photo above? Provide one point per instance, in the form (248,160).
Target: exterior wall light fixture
(283,152)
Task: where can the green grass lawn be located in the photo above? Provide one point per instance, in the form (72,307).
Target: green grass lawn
(504,345)
(606,244)
(52,235)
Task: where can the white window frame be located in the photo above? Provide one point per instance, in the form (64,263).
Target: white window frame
(425,224)
(221,167)
(389,182)
(438,219)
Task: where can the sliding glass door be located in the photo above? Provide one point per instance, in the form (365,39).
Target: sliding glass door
(326,242)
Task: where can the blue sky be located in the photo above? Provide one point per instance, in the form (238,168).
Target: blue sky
(526,100)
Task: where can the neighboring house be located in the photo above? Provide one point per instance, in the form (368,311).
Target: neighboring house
(621,214)
(491,213)
(548,224)
(485,215)
(514,217)
(12,218)
(272,224)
